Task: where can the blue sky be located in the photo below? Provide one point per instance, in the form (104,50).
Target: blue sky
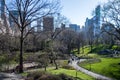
(77,10)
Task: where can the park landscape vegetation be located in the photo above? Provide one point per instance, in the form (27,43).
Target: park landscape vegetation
(50,51)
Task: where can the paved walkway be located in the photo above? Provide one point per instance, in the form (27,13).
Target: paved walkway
(95,75)
(13,76)
(26,65)
(10,76)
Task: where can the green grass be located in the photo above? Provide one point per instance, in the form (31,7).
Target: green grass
(115,47)
(86,51)
(94,55)
(95,50)
(68,72)
(108,66)
(71,73)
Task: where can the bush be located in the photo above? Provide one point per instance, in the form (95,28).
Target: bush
(115,47)
(65,77)
(35,75)
(47,76)
(68,67)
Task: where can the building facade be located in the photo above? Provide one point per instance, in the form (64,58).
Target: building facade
(4,22)
(74,27)
(14,15)
(48,23)
(94,23)
(2,9)
(39,25)
(97,21)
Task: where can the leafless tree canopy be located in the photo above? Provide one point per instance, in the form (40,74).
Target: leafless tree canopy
(29,11)
(61,19)
(111,14)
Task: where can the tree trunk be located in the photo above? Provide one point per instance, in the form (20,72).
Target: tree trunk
(91,47)
(55,64)
(82,49)
(21,54)
(79,49)
(45,67)
(69,49)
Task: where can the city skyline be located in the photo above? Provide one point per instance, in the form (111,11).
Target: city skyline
(78,10)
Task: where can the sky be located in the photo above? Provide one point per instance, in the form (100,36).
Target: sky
(78,10)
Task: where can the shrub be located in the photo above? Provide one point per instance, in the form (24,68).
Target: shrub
(68,67)
(65,77)
(47,76)
(115,47)
(35,75)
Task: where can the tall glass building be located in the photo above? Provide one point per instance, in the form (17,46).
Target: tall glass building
(2,8)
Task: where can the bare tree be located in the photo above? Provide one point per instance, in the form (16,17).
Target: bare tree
(90,37)
(80,41)
(107,39)
(52,48)
(109,30)
(43,60)
(111,17)
(28,12)
(61,19)
(67,37)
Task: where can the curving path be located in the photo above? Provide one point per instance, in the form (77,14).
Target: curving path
(95,75)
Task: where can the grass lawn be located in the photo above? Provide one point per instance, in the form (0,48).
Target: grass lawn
(108,66)
(72,73)
(87,49)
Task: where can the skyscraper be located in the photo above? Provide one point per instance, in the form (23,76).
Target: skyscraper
(15,14)
(2,9)
(94,23)
(97,14)
(39,25)
(48,23)
(13,25)
(97,21)
(4,19)
(75,27)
